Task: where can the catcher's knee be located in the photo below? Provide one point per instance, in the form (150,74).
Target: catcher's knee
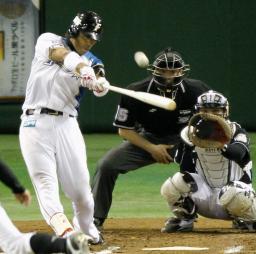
(239,200)
(173,188)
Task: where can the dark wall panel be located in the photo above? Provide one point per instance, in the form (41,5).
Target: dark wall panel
(217,38)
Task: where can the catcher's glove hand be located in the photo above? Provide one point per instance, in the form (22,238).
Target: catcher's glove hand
(209,131)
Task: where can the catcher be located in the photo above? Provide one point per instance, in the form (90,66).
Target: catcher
(215,178)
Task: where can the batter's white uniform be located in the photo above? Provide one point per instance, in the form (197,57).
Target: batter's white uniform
(53,146)
(11,239)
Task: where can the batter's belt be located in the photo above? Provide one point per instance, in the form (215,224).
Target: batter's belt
(47,111)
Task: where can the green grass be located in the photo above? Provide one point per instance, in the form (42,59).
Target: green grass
(137,194)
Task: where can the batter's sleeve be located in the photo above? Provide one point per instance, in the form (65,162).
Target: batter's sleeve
(46,41)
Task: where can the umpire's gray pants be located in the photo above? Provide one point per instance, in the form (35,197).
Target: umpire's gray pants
(120,160)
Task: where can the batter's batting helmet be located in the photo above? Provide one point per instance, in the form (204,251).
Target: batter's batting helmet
(89,23)
(213,100)
(169,61)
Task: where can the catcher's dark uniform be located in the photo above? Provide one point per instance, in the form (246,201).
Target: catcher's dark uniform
(157,125)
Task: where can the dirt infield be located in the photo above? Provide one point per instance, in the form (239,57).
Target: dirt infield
(132,235)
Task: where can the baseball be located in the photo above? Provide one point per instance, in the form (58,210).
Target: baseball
(141,59)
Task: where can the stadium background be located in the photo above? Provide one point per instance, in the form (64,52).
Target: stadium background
(217,38)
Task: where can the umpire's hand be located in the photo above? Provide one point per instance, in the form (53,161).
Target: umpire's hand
(161,153)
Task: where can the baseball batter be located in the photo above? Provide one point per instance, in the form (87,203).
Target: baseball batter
(51,141)
(12,241)
(212,182)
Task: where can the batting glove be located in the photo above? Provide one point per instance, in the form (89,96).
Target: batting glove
(102,87)
(88,78)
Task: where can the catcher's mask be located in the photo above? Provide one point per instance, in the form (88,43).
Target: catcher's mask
(168,69)
(213,100)
(89,23)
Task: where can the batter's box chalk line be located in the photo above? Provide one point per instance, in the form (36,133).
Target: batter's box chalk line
(233,249)
(109,250)
(177,248)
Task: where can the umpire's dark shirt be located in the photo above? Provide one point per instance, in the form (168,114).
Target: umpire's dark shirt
(132,113)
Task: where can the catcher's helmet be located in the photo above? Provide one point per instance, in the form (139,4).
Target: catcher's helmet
(213,100)
(171,62)
(89,23)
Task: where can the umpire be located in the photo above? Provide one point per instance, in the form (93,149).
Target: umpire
(149,132)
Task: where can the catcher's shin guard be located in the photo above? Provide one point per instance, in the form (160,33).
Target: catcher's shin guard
(239,199)
(173,188)
(185,208)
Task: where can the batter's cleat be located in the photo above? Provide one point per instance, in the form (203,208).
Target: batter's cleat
(99,242)
(244,225)
(175,224)
(78,243)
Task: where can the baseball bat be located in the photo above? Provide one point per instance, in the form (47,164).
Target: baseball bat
(153,99)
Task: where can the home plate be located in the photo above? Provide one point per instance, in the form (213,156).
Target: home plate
(178,248)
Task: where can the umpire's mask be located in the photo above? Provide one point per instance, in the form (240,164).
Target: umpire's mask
(168,69)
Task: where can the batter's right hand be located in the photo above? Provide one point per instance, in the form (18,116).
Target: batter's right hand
(160,153)
(88,78)
(102,88)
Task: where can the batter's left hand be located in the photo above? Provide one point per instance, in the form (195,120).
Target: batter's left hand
(24,198)
(88,78)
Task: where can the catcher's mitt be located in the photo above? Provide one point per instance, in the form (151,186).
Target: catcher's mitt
(209,131)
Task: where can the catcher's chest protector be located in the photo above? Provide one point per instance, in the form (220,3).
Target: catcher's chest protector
(213,166)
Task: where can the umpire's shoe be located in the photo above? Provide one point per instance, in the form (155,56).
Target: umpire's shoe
(98,222)
(175,224)
(78,243)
